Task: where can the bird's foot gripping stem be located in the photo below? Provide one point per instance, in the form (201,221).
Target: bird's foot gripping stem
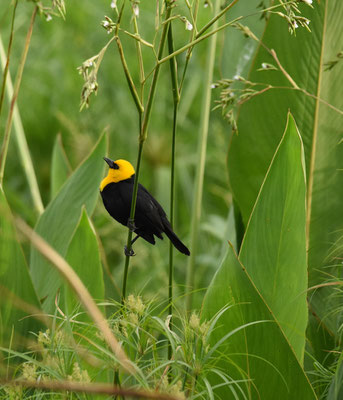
(129,253)
(131,224)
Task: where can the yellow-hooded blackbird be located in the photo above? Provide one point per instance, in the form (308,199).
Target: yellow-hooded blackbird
(150,219)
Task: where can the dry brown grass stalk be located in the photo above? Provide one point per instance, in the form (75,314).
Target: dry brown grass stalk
(94,388)
(81,291)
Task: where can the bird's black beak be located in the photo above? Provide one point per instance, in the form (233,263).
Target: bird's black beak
(109,162)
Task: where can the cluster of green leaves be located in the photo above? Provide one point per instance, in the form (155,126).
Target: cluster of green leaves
(293,238)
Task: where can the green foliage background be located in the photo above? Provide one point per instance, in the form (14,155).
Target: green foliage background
(270,302)
(51,86)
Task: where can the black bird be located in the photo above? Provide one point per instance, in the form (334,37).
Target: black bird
(150,219)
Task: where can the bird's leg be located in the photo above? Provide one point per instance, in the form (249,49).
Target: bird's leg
(134,239)
(131,252)
(131,225)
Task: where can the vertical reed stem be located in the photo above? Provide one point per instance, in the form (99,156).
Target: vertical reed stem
(189,52)
(201,158)
(9,48)
(142,137)
(176,100)
(140,58)
(132,215)
(5,142)
(23,149)
(156,71)
(171,247)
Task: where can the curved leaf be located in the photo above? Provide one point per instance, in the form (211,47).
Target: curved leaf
(259,352)
(261,119)
(83,255)
(18,298)
(58,222)
(60,168)
(307,58)
(274,246)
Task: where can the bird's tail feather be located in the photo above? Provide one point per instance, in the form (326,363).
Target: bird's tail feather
(176,241)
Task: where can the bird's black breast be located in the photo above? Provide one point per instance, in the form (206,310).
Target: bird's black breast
(117,200)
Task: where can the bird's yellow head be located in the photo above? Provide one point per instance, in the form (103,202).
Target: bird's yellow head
(119,171)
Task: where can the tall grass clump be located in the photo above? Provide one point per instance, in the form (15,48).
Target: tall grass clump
(75,352)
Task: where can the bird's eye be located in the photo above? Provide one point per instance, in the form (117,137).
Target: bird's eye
(115,166)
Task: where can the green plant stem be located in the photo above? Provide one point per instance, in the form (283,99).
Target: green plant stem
(132,219)
(128,77)
(171,248)
(193,36)
(200,35)
(138,102)
(201,157)
(173,69)
(140,58)
(18,128)
(23,148)
(143,126)
(216,17)
(117,382)
(176,100)
(152,91)
(198,40)
(10,41)
(120,15)
(4,148)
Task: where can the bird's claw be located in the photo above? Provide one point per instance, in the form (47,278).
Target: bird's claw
(129,253)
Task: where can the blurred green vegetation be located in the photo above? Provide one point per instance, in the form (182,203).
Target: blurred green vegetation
(49,101)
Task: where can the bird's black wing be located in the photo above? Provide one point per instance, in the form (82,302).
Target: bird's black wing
(147,217)
(164,223)
(150,218)
(148,213)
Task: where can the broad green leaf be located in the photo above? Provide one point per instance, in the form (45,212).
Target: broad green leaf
(60,168)
(261,119)
(259,352)
(58,222)
(325,214)
(83,255)
(230,233)
(274,246)
(305,57)
(18,298)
